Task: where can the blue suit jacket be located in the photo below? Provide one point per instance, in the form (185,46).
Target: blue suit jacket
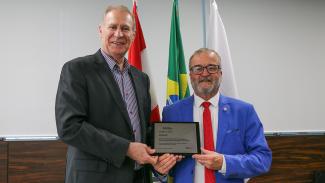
(240,138)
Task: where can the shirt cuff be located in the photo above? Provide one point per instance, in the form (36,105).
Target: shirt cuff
(224,166)
(160,177)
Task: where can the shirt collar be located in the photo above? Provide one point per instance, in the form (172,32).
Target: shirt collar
(111,61)
(214,100)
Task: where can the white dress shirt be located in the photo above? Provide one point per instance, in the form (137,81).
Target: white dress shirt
(198,117)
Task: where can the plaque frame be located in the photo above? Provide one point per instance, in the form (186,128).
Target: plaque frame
(197,133)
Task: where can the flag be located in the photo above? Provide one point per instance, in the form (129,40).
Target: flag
(177,85)
(216,39)
(138,58)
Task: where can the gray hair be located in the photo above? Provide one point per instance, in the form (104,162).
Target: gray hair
(123,9)
(204,50)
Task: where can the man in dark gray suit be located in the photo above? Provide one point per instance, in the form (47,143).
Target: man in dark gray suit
(102,109)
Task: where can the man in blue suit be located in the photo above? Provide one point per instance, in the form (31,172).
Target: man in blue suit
(239,149)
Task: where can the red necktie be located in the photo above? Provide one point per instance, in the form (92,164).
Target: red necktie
(208,140)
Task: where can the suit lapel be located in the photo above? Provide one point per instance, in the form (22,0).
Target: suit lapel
(107,76)
(188,109)
(223,121)
(137,83)
(187,116)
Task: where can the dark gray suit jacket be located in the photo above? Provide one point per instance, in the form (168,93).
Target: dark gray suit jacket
(92,119)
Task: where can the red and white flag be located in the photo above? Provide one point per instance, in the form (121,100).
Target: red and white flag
(138,58)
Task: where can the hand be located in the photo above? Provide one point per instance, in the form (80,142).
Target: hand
(141,153)
(166,162)
(209,159)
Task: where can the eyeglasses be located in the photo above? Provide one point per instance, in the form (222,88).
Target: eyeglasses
(199,69)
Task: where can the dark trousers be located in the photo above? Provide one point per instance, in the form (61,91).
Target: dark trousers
(139,176)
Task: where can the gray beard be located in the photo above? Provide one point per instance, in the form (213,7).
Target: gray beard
(206,91)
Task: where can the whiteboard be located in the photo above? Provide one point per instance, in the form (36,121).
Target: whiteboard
(277,49)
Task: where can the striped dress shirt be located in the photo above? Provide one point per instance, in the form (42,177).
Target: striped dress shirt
(125,85)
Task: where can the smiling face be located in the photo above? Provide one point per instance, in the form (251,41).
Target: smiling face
(116,33)
(205,85)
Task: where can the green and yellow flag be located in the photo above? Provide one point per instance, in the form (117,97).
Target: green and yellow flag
(177,86)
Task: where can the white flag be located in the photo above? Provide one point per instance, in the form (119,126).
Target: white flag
(216,39)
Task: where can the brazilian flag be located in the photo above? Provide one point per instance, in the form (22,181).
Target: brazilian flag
(177,86)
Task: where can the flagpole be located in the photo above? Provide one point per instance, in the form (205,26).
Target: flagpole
(204,22)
